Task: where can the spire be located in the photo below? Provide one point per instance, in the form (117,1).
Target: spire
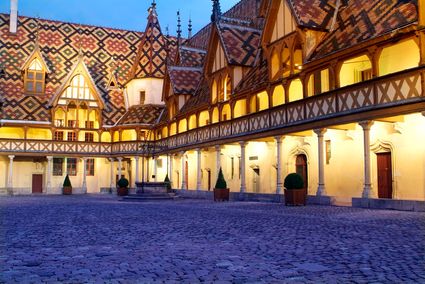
(216,12)
(179,26)
(152,9)
(190,28)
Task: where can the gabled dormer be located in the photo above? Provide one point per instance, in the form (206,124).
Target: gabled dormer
(77,103)
(34,72)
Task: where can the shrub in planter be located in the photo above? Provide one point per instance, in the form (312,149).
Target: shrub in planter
(67,187)
(221,191)
(295,193)
(123,187)
(167,181)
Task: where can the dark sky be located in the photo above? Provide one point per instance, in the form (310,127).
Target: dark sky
(124,14)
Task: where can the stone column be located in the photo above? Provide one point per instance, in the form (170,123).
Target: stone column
(218,158)
(170,175)
(367,189)
(112,185)
(321,190)
(10,176)
(49,174)
(243,176)
(279,183)
(184,182)
(136,161)
(155,168)
(84,187)
(119,168)
(199,176)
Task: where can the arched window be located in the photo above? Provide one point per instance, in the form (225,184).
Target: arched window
(79,89)
(35,77)
(227,88)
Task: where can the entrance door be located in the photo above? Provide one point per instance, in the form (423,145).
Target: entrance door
(301,168)
(209,179)
(37,184)
(385,177)
(256,180)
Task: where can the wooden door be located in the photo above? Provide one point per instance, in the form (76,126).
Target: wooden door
(385,177)
(37,184)
(209,180)
(256,180)
(301,168)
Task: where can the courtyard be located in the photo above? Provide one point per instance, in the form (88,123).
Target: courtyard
(100,239)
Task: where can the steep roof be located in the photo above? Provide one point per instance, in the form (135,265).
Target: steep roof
(142,114)
(363,20)
(315,14)
(184,80)
(200,99)
(154,50)
(59,44)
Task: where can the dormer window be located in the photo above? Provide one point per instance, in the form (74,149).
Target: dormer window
(221,88)
(35,76)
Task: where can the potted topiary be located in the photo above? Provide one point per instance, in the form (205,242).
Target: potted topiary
(122,187)
(67,187)
(295,193)
(221,191)
(167,181)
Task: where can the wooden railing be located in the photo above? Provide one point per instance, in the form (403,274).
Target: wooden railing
(398,89)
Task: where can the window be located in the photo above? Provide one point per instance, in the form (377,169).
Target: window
(366,74)
(89,124)
(142,97)
(72,123)
(71,166)
(143,135)
(88,137)
(78,89)
(72,136)
(90,167)
(58,136)
(59,123)
(34,78)
(57,167)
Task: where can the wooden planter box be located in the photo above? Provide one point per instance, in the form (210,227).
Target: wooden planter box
(221,194)
(122,191)
(295,197)
(67,190)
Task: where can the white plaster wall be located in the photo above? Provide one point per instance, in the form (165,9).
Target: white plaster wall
(152,87)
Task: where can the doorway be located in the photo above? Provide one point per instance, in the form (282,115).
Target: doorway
(385,177)
(256,180)
(209,179)
(37,184)
(301,168)
(186,174)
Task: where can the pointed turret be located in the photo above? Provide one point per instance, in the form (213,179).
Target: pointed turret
(189,35)
(216,12)
(152,54)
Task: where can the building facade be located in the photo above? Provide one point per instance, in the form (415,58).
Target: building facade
(333,90)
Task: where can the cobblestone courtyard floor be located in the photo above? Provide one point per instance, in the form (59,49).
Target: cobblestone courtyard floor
(99,239)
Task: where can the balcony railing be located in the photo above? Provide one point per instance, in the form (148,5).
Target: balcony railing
(393,90)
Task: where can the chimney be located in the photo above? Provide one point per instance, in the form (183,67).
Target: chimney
(13,16)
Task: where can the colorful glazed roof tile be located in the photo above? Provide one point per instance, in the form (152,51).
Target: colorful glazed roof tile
(142,114)
(200,99)
(153,52)
(240,43)
(191,57)
(184,80)
(363,20)
(59,44)
(315,14)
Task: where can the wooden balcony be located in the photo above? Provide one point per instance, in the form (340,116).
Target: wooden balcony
(394,94)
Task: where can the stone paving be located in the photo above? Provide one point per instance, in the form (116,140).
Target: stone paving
(98,239)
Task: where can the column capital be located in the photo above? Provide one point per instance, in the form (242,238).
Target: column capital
(320,131)
(136,158)
(423,113)
(243,144)
(366,124)
(11,157)
(119,159)
(218,147)
(49,158)
(279,139)
(84,159)
(111,159)
(182,153)
(198,150)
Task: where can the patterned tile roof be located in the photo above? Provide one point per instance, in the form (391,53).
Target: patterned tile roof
(313,13)
(190,57)
(200,99)
(104,49)
(154,49)
(240,43)
(142,114)
(184,80)
(255,79)
(363,20)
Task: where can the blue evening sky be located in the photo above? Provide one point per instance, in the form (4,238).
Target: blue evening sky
(124,14)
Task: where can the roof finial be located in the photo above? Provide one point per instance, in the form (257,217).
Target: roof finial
(216,12)
(152,8)
(167,30)
(190,27)
(179,26)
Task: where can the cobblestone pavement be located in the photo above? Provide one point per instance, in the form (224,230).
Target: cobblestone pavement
(99,239)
